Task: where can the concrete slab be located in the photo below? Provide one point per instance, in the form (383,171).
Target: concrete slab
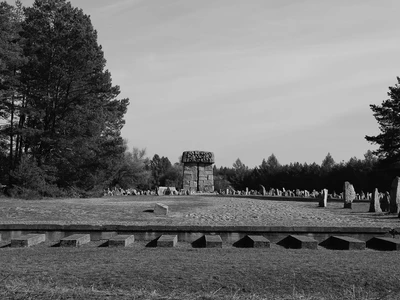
(167,241)
(121,240)
(160,209)
(384,243)
(213,241)
(343,243)
(75,240)
(28,240)
(299,242)
(253,241)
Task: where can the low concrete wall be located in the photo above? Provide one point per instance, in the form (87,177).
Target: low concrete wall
(229,234)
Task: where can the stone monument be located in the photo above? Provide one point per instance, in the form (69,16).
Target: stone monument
(349,194)
(395,196)
(323,201)
(374,203)
(198,171)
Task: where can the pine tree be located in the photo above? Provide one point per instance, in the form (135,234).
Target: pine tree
(388,117)
(70,117)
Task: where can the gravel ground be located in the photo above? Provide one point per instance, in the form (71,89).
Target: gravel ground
(190,210)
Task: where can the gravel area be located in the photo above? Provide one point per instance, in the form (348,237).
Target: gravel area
(190,210)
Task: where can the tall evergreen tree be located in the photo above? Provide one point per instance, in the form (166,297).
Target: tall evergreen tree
(388,117)
(11,59)
(69,117)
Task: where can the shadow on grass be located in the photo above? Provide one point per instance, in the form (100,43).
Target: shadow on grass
(149,211)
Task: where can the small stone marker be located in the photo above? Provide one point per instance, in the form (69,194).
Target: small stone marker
(374,204)
(161,190)
(395,196)
(28,240)
(213,241)
(384,243)
(323,202)
(343,243)
(253,241)
(167,241)
(121,240)
(75,240)
(160,209)
(299,242)
(349,194)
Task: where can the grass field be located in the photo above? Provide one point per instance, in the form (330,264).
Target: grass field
(138,272)
(186,273)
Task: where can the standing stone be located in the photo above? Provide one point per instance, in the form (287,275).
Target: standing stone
(395,196)
(385,202)
(374,203)
(349,194)
(198,171)
(264,192)
(324,198)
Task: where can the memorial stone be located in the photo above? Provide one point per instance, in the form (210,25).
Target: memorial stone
(395,196)
(264,192)
(198,171)
(374,204)
(160,209)
(349,194)
(324,198)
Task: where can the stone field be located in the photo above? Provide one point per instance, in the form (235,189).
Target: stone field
(192,210)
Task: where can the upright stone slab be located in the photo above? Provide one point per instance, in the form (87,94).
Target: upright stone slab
(374,204)
(167,241)
(121,240)
(323,202)
(160,209)
(75,240)
(349,194)
(28,240)
(395,196)
(198,171)
(263,190)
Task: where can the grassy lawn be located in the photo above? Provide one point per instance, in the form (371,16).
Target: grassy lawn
(138,272)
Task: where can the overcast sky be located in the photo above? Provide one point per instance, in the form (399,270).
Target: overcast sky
(245,79)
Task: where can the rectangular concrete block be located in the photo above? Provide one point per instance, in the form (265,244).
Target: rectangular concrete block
(343,243)
(253,241)
(384,244)
(167,241)
(75,240)
(259,241)
(213,241)
(160,209)
(299,242)
(121,240)
(28,240)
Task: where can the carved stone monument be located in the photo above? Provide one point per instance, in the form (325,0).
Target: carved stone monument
(198,171)
(349,194)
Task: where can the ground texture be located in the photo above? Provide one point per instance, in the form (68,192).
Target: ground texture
(191,210)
